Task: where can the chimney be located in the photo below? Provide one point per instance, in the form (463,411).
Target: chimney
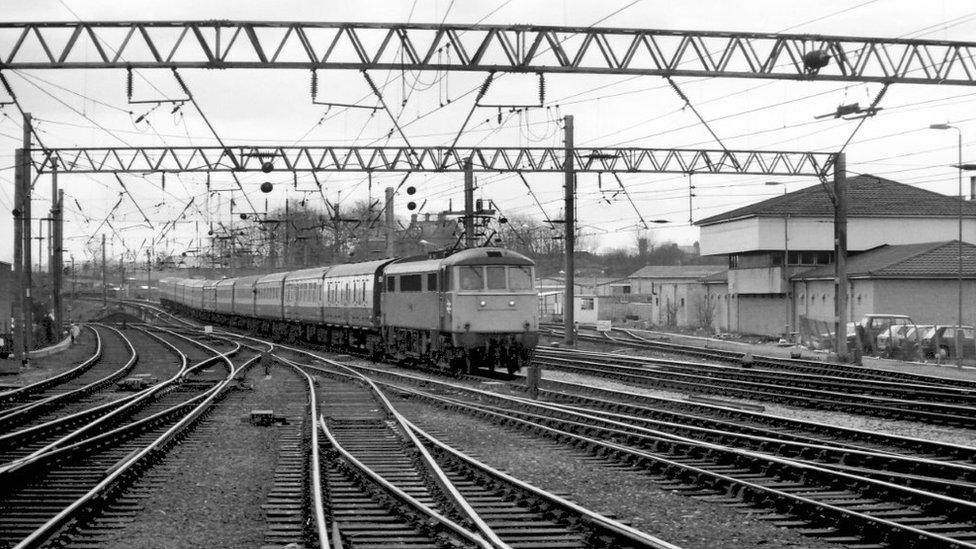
(972,187)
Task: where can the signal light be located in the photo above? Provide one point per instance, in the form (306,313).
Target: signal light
(267,167)
(411,190)
(411,205)
(266,187)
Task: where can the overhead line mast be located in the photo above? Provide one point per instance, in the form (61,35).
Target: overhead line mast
(500,48)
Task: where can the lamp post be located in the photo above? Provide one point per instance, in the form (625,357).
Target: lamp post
(786,263)
(959,273)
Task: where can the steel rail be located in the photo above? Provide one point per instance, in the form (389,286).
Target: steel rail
(686,412)
(127,467)
(18,413)
(99,421)
(21,392)
(824,381)
(601,522)
(937,413)
(457,499)
(800,468)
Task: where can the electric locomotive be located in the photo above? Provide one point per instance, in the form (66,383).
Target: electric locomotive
(476,308)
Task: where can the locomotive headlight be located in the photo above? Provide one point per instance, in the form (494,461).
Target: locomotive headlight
(511,303)
(482,303)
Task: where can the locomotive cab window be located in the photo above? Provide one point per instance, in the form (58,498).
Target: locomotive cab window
(519,278)
(496,278)
(471,278)
(432,282)
(391,283)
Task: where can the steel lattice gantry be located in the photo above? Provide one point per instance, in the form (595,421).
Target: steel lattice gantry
(429,159)
(506,48)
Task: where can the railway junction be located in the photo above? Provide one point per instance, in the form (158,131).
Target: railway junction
(292,357)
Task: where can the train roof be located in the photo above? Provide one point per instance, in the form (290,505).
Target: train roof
(246,280)
(486,256)
(314,273)
(271,278)
(353,269)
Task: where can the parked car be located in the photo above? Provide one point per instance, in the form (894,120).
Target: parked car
(872,325)
(940,341)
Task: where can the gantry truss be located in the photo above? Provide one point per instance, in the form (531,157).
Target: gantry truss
(266,44)
(428,159)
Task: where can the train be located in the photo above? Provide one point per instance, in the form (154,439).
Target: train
(470,310)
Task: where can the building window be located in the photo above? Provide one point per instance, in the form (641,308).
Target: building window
(626,289)
(586,304)
(733,261)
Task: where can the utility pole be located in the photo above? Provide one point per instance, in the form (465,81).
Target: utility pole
(468,204)
(569,237)
(104,276)
(74,279)
(390,224)
(148,275)
(57,234)
(121,292)
(840,257)
(27,303)
(18,307)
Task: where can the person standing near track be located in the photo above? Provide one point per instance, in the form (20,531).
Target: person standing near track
(74,331)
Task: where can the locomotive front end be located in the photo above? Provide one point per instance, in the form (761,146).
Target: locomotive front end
(490,307)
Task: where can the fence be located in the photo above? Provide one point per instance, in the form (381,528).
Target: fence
(816,334)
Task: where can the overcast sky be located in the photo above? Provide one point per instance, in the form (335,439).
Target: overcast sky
(89,108)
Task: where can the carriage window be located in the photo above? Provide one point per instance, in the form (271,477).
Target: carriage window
(496,278)
(520,278)
(432,282)
(410,283)
(471,278)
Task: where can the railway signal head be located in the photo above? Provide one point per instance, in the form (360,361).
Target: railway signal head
(266,187)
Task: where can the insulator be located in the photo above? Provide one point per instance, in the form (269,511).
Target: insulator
(485,86)
(315,84)
(128,83)
(542,89)
(182,84)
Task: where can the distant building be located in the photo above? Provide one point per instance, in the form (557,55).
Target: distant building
(756,238)
(664,295)
(920,280)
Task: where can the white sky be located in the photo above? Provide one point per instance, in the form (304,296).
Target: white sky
(274,107)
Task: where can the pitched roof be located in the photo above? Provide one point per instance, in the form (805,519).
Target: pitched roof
(926,260)
(676,271)
(867,196)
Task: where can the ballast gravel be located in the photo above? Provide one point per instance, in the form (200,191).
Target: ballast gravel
(951,435)
(626,494)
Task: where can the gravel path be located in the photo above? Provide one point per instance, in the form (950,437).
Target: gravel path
(215,482)
(628,494)
(951,435)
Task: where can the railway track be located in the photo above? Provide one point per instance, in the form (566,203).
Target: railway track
(629,338)
(607,365)
(379,468)
(43,493)
(832,504)
(14,397)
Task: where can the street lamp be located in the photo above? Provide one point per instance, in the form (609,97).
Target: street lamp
(959,273)
(786,263)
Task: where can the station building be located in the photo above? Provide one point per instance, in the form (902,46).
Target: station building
(780,256)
